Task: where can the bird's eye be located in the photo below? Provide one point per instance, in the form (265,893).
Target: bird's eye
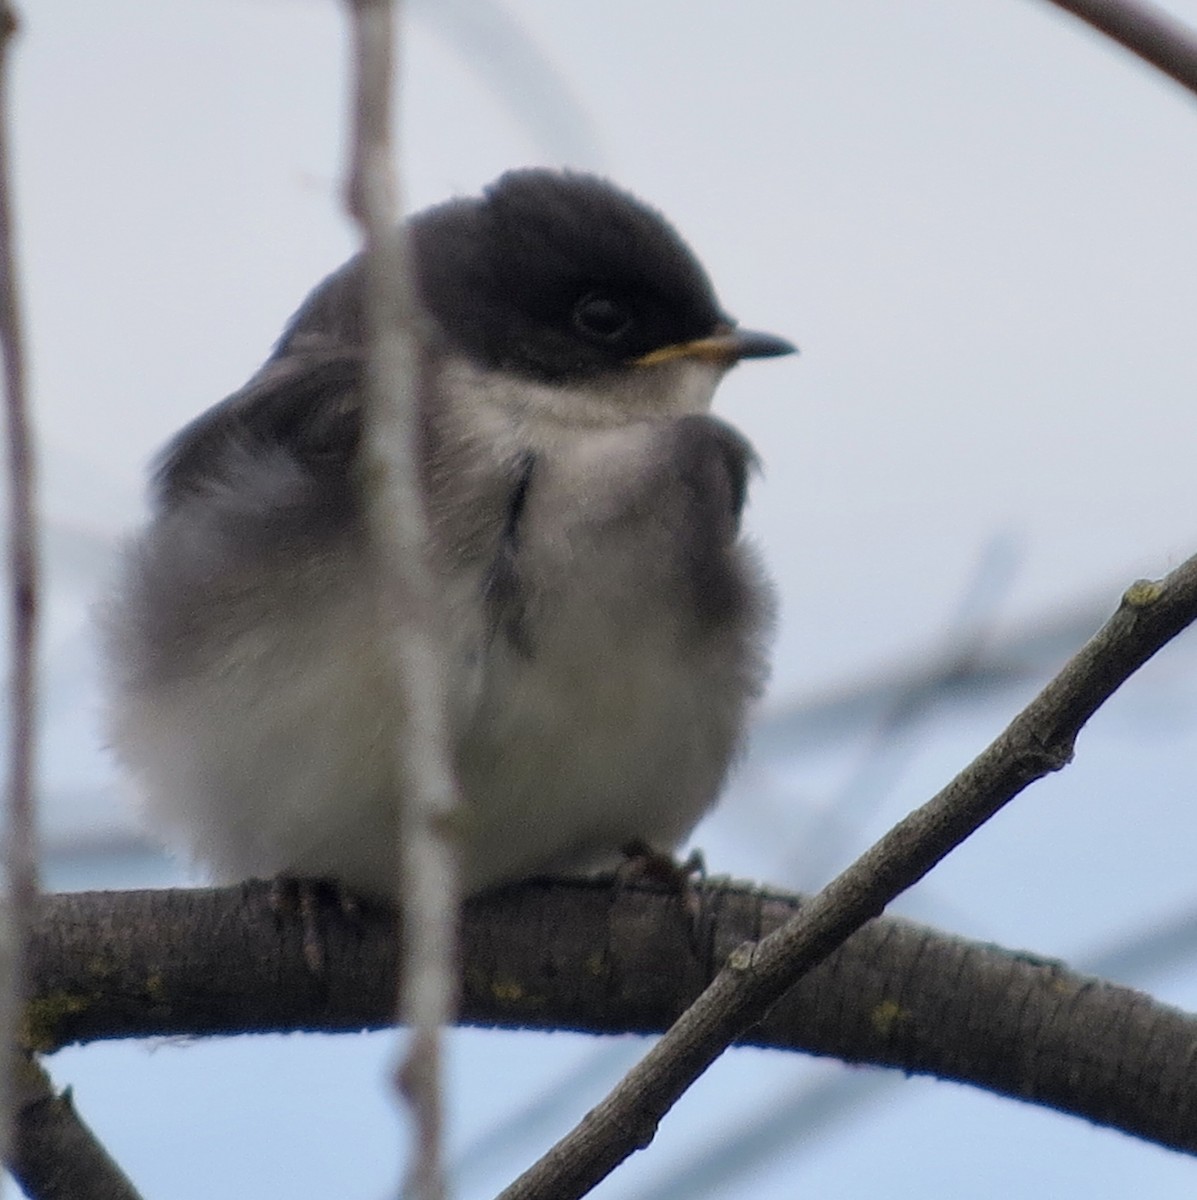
(600,315)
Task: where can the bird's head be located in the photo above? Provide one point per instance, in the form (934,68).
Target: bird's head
(565,286)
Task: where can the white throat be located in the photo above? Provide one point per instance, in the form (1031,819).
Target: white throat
(545,412)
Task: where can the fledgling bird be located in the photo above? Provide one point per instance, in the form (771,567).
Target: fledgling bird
(606,625)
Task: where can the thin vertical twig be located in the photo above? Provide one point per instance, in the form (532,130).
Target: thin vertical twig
(20,856)
(408,615)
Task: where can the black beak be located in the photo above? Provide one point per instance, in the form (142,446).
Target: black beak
(727,345)
(748,343)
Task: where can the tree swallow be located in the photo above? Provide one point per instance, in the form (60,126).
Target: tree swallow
(606,625)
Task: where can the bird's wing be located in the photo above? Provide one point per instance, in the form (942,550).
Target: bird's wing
(304,407)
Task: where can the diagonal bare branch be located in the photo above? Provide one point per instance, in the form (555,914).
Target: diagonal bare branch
(1039,741)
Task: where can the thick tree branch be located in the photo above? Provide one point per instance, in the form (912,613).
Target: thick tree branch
(1146,30)
(1038,741)
(588,956)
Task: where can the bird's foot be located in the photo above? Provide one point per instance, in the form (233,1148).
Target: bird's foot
(686,880)
(644,862)
(292,897)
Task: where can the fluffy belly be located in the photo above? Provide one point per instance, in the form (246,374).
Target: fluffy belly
(574,755)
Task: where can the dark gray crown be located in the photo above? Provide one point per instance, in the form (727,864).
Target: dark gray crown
(552,275)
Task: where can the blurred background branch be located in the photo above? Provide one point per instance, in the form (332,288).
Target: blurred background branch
(1146,30)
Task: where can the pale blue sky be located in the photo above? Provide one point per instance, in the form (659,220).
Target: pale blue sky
(975,218)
